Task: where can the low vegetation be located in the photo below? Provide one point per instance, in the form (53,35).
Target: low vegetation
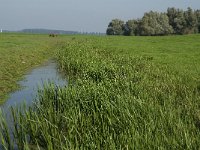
(123,93)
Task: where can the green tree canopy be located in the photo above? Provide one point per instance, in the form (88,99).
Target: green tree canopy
(131,27)
(115,27)
(197,13)
(174,21)
(191,21)
(154,23)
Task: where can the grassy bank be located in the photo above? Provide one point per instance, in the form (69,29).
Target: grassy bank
(19,53)
(118,97)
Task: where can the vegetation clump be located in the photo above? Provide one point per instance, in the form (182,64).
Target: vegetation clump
(174,21)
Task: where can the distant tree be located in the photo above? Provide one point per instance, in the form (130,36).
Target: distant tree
(197,13)
(154,23)
(110,31)
(131,27)
(115,27)
(172,13)
(180,22)
(191,25)
(183,22)
(163,24)
(176,20)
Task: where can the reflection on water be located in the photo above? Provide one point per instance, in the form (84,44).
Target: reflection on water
(36,78)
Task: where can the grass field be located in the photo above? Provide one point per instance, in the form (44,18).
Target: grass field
(18,54)
(123,93)
(182,53)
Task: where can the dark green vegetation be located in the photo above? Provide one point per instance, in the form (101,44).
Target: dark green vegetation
(174,21)
(123,93)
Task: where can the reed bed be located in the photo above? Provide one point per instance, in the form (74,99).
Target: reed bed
(112,101)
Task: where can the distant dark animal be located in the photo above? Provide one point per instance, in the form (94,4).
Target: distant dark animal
(53,35)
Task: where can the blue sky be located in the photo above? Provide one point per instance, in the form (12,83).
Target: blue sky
(79,15)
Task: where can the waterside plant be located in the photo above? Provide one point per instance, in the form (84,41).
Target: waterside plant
(112,101)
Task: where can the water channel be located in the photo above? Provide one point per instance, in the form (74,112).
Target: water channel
(32,80)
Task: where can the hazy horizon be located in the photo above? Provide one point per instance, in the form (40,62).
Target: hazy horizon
(77,15)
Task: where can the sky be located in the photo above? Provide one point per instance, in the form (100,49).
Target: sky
(79,15)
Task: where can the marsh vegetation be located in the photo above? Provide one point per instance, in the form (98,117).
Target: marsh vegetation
(122,93)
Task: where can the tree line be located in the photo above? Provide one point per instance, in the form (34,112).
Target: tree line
(174,21)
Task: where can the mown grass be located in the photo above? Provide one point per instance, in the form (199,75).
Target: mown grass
(19,53)
(181,53)
(116,98)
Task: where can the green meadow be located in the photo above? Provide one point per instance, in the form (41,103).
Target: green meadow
(18,54)
(122,92)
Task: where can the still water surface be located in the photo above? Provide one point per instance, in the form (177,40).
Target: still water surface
(34,79)
(27,94)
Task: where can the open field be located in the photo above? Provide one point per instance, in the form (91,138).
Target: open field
(181,53)
(123,93)
(19,53)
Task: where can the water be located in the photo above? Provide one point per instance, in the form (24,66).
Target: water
(34,79)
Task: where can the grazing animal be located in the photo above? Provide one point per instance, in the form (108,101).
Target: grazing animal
(53,35)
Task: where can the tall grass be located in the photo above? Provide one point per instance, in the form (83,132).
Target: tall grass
(113,101)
